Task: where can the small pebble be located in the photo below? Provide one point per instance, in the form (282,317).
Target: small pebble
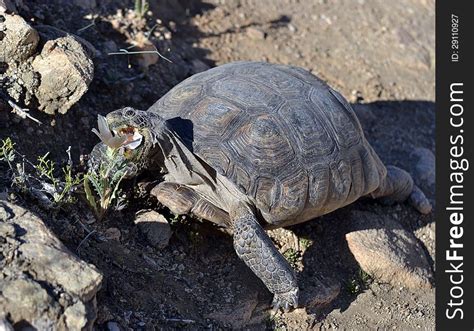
(256,34)
(113,326)
(155,227)
(112,234)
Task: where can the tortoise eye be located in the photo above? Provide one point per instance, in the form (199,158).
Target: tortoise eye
(129,113)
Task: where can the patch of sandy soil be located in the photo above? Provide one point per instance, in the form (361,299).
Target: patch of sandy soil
(379,54)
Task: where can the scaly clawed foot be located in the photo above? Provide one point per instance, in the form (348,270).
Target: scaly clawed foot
(287,300)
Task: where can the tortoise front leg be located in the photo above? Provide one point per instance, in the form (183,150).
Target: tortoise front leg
(182,200)
(256,249)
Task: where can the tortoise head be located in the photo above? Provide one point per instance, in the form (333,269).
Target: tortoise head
(136,134)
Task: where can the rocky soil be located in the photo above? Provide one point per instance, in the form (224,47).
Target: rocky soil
(42,285)
(181,273)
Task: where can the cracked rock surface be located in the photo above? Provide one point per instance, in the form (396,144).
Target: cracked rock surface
(47,71)
(65,71)
(42,284)
(388,252)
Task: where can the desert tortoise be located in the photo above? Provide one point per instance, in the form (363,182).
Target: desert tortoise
(252,145)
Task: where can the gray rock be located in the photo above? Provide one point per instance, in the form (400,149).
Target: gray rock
(5,214)
(42,283)
(27,300)
(6,229)
(80,280)
(113,234)
(292,28)
(426,235)
(57,77)
(75,316)
(155,227)
(18,40)
(320,294)
(48,32)
(237,316)
(66,71)
(388,252)
(113,326)
(255,33)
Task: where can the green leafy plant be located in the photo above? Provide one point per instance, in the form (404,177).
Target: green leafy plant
(141,7)
(102,181)
(7,151)
(101,184)
(60,189)
(365,278)
(292,256)
(305,243)
(353,286)
(40,179)
(359,282)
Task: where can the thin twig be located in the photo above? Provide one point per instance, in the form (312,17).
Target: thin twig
(84,240)
(22,112)
(69,159)
(86,27)
(84,227)
(149,32)
(123,51)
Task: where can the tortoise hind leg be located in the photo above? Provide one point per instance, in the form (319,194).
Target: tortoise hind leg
(181,199)
(398,186)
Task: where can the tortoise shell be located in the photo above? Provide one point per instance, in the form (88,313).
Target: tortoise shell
(280,134)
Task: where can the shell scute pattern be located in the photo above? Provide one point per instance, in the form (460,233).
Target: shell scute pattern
(277,81)
(318,189)
(346,130)
(312,138)
(292,194)
(373,167)
(182,99)
(341,179)
(355,162)
(215,116)
(279,133)
(215,157)
(267,189)
(242,177)
(303,75)
(249,95)
(260,145)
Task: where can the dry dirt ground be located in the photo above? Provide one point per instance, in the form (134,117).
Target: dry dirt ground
(379,54)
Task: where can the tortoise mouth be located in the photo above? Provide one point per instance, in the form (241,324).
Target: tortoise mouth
(133,137)
(118,136)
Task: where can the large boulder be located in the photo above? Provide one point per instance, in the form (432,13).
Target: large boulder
(45,67)
(388,252)
(66,72)
(42,284)
(18,40)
